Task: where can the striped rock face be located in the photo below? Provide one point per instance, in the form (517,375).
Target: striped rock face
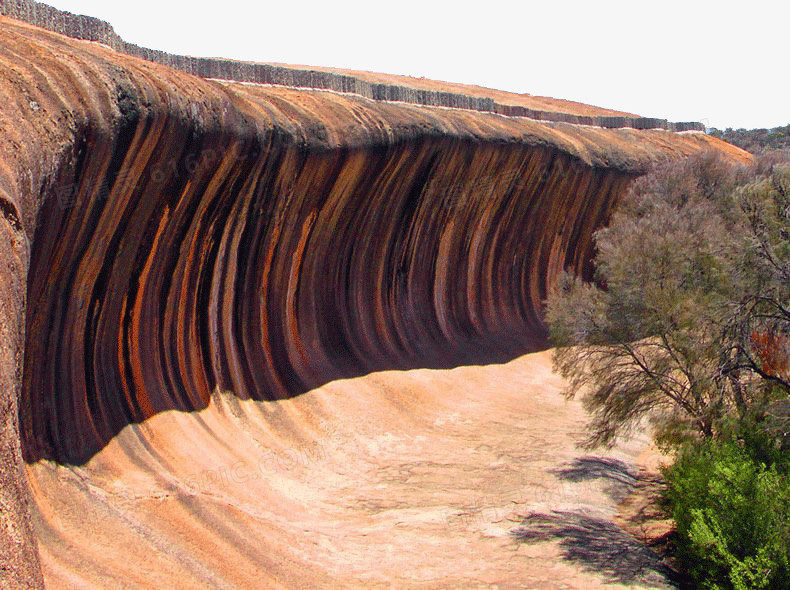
(168,239)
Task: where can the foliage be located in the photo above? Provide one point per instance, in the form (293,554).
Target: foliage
(732,514)
(688,323)
(756,141)
(688,320)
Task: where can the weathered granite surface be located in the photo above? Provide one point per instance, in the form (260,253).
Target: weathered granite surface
(166,237)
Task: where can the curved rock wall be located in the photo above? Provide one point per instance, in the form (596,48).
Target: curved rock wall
(272,274)
(92,29)
(193,237)
(169,237)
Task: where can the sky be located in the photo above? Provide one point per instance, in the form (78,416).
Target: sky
(722,63)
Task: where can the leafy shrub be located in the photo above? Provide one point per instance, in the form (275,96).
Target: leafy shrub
(732,514)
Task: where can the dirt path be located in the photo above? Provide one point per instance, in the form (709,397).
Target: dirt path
(422,479)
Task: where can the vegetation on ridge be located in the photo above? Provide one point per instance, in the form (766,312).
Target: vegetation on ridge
(756,141)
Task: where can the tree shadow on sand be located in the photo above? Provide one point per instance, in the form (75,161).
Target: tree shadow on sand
(621,479)
(598,544)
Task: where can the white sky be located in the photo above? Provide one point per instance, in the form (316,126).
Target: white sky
(723,63)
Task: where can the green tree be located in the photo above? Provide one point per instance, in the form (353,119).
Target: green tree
(687,321)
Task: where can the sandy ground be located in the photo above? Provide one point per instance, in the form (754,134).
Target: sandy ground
(461,478)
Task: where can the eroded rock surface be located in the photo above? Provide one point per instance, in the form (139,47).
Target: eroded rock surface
(169,241)
(399,479)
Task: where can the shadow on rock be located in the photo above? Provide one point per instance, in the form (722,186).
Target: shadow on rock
(597,545)
(622,479)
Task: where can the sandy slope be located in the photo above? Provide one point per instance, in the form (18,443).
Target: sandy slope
(396,479)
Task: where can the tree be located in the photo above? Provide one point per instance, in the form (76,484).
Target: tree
(687,320)
(761,322)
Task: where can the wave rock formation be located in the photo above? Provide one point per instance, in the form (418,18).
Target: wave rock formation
(168,239)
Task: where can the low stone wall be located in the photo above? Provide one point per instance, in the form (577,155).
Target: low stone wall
(93,29)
